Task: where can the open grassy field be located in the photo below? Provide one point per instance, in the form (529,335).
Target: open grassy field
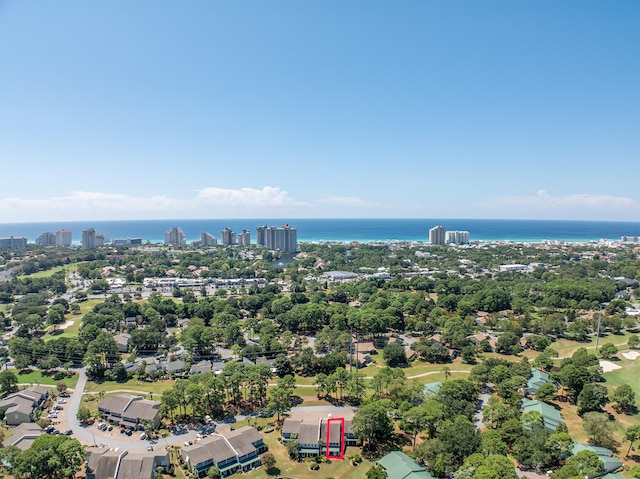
(132,386)
(67,268)
(36,377)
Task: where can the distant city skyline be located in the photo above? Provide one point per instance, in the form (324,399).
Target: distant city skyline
(470,109)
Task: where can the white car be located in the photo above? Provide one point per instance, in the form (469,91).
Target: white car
(62,401)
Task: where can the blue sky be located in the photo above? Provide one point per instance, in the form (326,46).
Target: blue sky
(218,109)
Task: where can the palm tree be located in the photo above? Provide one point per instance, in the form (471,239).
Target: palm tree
(447,372)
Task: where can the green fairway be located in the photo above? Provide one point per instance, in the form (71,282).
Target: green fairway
(627,374)
(36,377)
(45,274)
(71,331)
(131,386)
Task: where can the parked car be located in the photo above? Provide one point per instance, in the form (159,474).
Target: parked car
(68,432)
(62,401)
(149,448)
(65,394)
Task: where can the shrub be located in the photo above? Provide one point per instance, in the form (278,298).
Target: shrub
(314,467)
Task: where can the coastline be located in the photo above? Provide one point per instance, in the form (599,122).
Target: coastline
(346,230)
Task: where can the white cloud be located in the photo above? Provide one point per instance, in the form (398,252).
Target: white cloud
(81,205)
(248,197)
(578,206)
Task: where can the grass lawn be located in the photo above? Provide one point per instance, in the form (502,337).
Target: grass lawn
(36,377)
(72,330)
(48,272)
(132,385)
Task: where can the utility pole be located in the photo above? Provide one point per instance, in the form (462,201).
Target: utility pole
(351,349)
(598,331)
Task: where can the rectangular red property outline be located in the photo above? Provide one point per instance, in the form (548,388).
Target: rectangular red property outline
(341,421)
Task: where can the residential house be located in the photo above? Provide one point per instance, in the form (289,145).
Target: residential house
(122,340)
(173,367)
(130,411)
(536,381)
(611,464)
(550,415)
(400,466)
(23,436)
(311,434)
(431,389)
(205,366)
(235,451)
(20,407)
(104,463)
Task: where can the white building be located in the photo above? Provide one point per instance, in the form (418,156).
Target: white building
(436,235)
(457,237)
(207,239)
(175,236)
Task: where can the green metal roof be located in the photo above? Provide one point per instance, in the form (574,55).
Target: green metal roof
(400,466)
(431,389)
(551,416)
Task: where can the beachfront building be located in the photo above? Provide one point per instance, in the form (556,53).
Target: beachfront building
(63,238)
(207,239)
(457,237)
(283,239)
(436,235)
(13,242)
(175,236)
(244,238)
(46,239)
(89,238)
(228,236)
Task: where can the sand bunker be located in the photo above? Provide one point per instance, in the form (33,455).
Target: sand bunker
(633,355)
(608,366)
(66,325)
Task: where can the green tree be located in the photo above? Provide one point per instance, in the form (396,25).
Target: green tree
(608,351)
(83,414)
(372,424)
(49,457)
(496,466)
(376,472)
(281,400)
(546,392)
(592,398)
(624,399)
(599,428)
(8,382)
(214,473)
(394,355)
(634,340)
(583,464)
(632,434)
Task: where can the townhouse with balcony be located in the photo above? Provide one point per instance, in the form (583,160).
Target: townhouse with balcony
(130,411)
(231,452)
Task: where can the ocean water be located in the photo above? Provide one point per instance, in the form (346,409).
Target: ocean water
(314,230)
